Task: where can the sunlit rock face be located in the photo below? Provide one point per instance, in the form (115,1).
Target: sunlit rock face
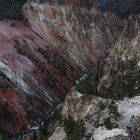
(41,58)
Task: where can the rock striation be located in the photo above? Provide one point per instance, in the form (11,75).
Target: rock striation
(56,43)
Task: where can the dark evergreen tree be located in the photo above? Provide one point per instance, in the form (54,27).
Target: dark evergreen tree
(74,130)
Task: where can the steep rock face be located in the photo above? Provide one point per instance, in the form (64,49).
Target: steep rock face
(91,38)
(43,56)
(123,60)
(34,80)
(37,66)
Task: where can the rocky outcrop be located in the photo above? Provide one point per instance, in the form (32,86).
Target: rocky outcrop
(58,134)
(90,109)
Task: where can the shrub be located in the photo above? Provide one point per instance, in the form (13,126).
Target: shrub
(109,122)
(102,105)
(113,110)
(35,136)
(41,137)
(74,130)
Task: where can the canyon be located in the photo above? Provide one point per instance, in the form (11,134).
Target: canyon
(56,43)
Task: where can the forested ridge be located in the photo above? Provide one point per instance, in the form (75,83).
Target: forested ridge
(11,9)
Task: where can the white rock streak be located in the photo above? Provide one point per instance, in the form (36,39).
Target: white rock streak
(102,133)
(13,77)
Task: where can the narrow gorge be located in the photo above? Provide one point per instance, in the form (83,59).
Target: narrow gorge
(76,52)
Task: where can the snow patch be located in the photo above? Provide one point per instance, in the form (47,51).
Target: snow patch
(102,133)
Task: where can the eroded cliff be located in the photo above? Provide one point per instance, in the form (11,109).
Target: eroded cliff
(43,56)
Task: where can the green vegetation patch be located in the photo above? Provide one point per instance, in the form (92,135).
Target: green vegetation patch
(74,129)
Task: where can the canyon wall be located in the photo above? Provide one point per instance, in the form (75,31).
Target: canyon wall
(57,42)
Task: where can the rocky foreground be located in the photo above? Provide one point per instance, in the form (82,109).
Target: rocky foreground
(90,110)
